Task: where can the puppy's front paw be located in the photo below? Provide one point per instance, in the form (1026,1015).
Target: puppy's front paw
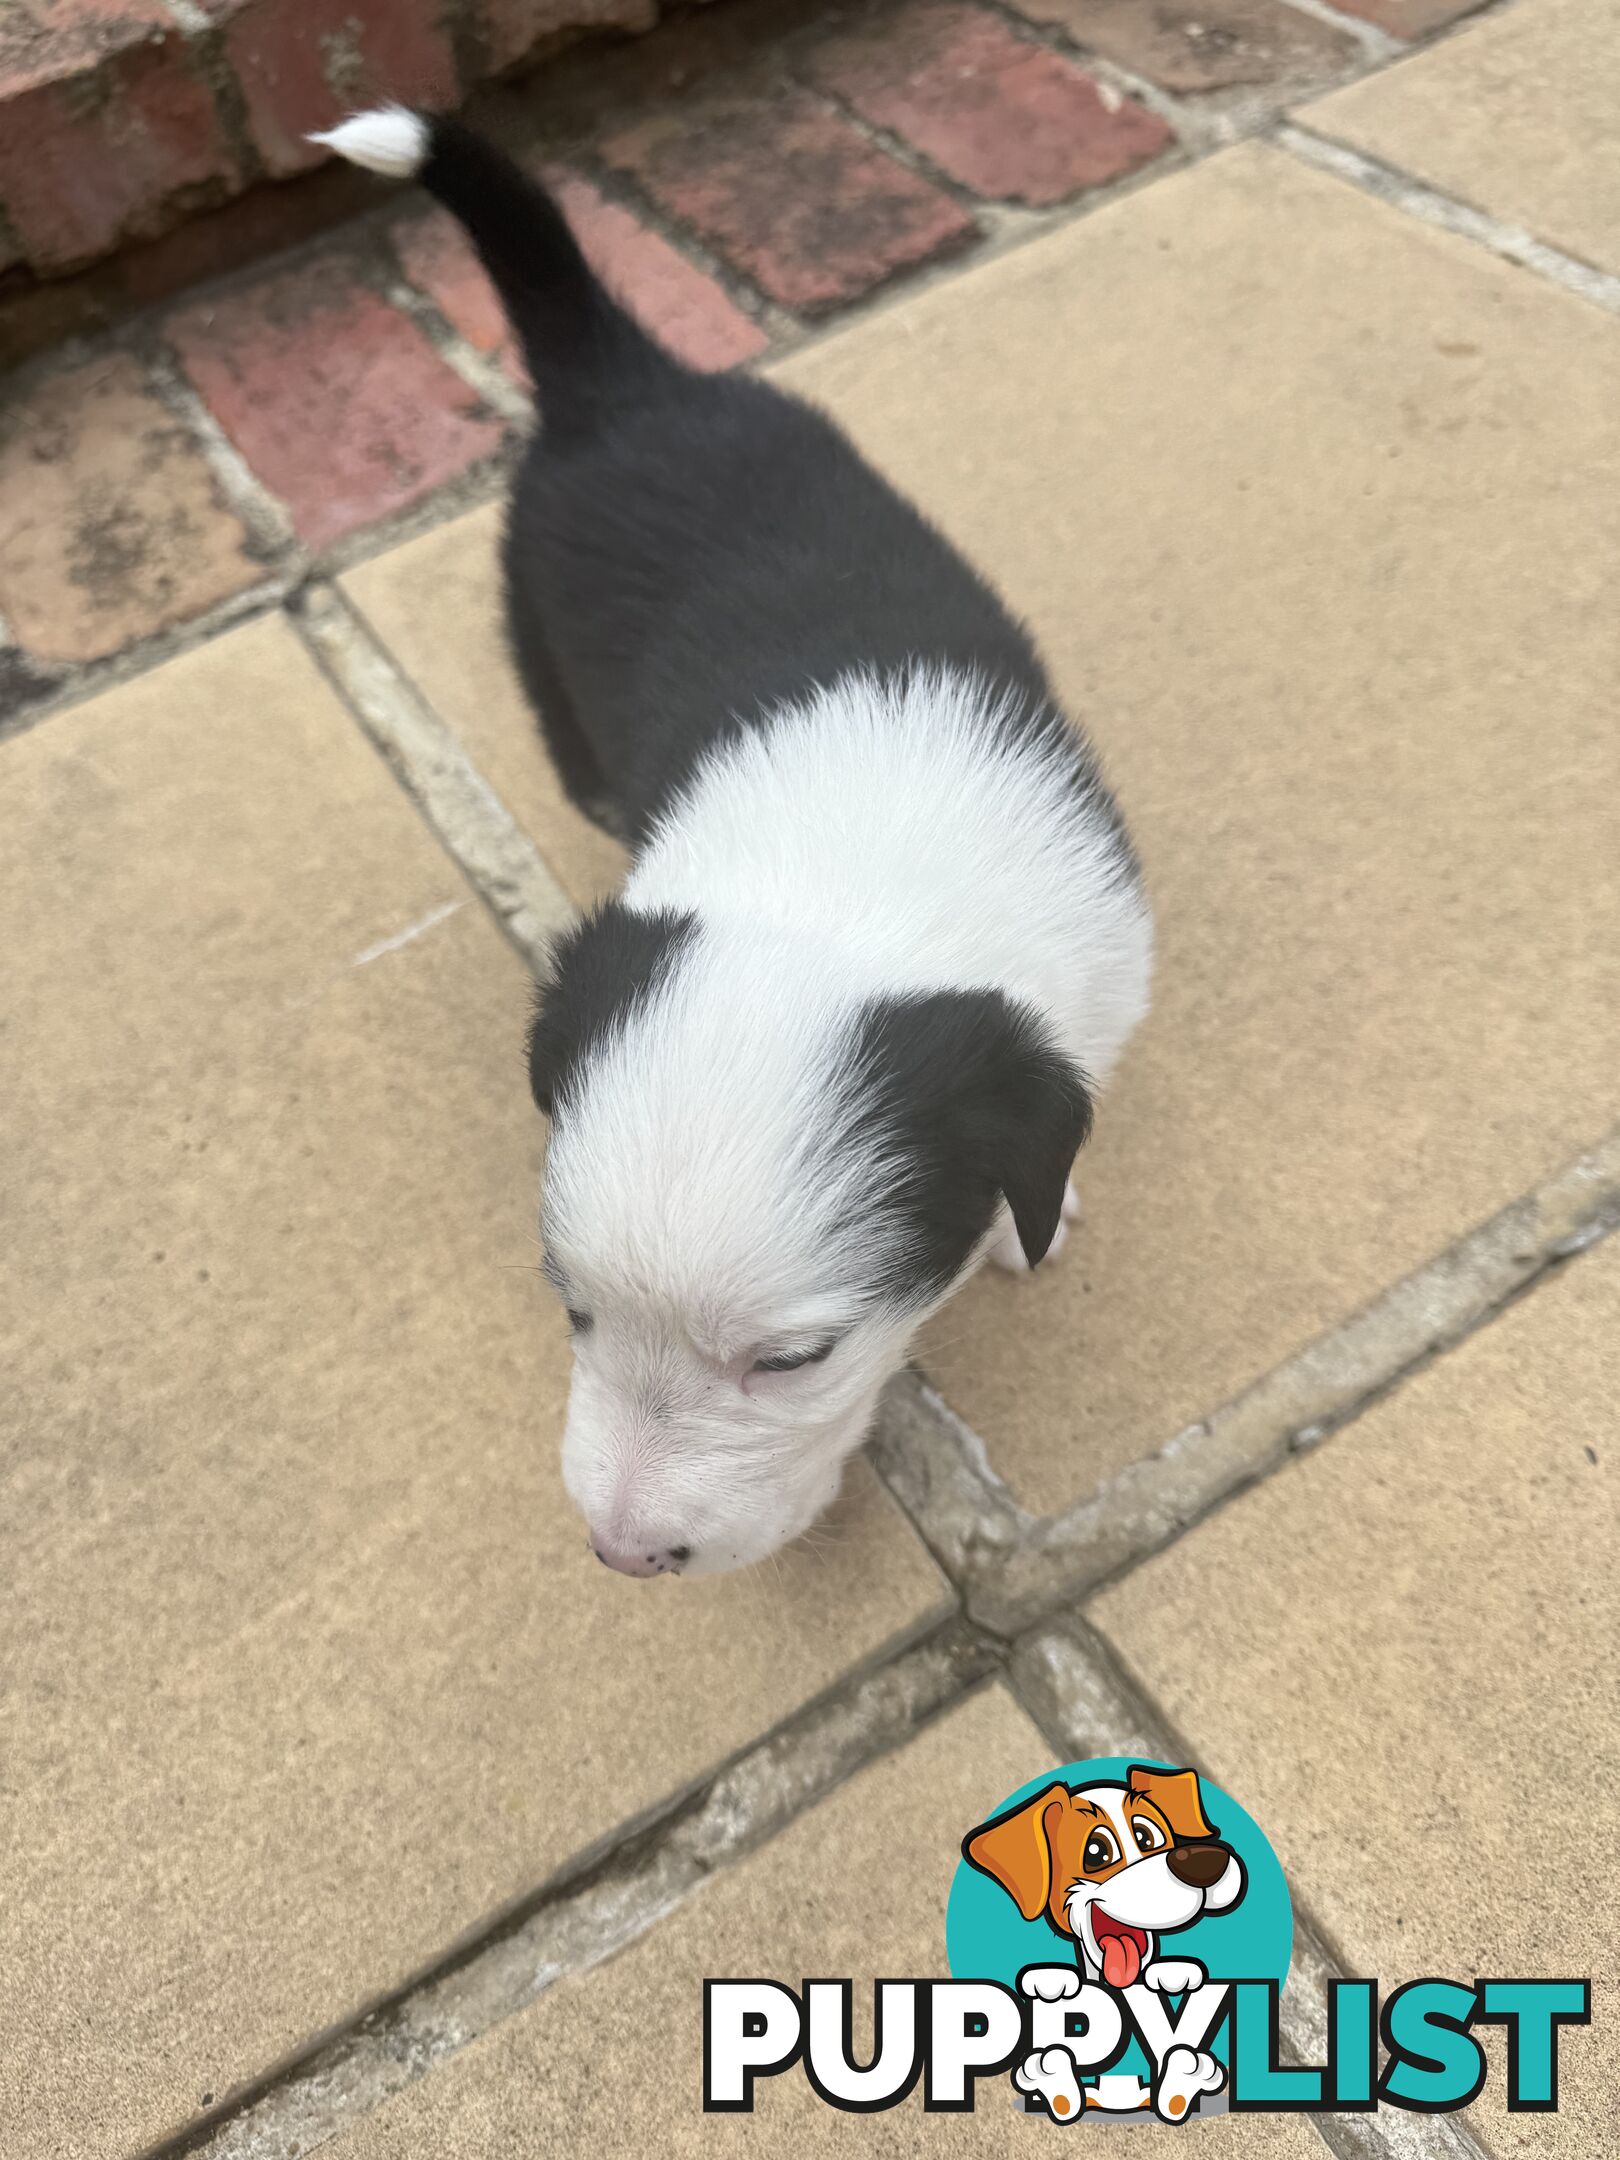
(1005,1251)
(1051,2076)
(1050,1983)
(1185,2074)
(1173,1976)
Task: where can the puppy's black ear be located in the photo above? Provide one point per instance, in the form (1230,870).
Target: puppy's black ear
(983,1108)
(1028,1113)
(601,970)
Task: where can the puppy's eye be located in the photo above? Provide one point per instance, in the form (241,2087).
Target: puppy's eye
(1100,1852)
(1149,1837)
(580,1323)
(791,1360)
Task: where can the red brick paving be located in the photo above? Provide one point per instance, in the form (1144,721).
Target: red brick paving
(1000,114)
(676,300)
(336,400)
(438,259)
(789,193)
(1191,47)
(680,303)
(113,527)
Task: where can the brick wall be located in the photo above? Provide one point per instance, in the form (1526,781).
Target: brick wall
(119,118)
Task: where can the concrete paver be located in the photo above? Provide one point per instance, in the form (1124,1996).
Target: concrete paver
(308,1670)
(1420,1672)
(1516,116)
(612,2062)
(1331,583)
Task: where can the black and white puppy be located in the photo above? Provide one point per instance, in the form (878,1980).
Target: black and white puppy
(882,939)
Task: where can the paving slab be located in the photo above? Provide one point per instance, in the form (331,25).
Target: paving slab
(1516,115)
(1315,512)
(612,2063)
(436,604)
(308,1671)
(1421,1668)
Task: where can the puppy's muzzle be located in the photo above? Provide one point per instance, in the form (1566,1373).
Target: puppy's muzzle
(1201,1866)
(667,1560)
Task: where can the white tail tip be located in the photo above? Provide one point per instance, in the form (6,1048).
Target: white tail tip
(390,141)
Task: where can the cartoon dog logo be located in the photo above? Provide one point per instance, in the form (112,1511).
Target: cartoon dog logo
(1113,1867)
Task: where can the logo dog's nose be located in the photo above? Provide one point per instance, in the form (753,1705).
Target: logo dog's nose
(1198,1865)
(635,1561)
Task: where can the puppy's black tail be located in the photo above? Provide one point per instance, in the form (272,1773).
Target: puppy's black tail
(584,353)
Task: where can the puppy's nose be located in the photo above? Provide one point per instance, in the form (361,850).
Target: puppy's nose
(1198,1865)
(638,1560)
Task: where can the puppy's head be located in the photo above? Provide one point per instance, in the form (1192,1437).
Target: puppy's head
(762,1176)
(1112,1866)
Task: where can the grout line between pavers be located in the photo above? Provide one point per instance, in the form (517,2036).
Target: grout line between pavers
(1195,130)
(1081,1694)
(1011,1568)
(66,684)
(471,822)
(1378,44)
(599,1906)
(264,515)
(1432,206)
(622,188)
(482,374)
(1202,121)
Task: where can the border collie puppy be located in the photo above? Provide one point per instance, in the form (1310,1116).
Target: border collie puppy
(883,937)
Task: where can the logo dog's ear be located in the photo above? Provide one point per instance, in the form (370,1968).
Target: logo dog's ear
(1176,1795)
(1015,1850)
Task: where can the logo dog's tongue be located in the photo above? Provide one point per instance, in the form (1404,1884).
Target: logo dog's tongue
(1121,1960)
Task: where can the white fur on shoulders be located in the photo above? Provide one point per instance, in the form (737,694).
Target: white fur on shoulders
(390,140)
(901,823)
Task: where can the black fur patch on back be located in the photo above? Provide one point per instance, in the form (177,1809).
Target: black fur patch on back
(602,969)
(976,1106)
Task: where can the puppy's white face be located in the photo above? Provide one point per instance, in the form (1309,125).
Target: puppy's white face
(692,1445)
(751,1202)
(728,1280)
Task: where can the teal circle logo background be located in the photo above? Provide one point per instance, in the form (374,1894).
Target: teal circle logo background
(987,1938)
